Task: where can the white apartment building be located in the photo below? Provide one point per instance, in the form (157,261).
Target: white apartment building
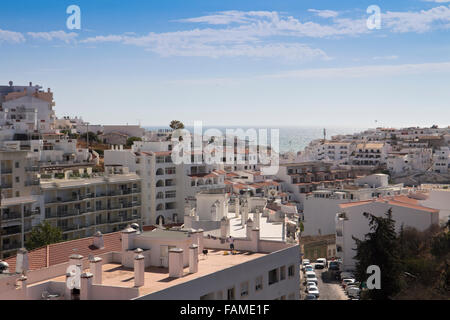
(165,185)
(321,206)
(82,203)
(409,160)
(151,258)
(333,151)
(19,201)
(302,178)
(370,154)
(441,160)
(26,109)
(436,196)
(350,221)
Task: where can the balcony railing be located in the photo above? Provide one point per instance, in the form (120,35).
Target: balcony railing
(12,246)
(6,170)
(11,216)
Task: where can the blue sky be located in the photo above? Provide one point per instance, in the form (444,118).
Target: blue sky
(256,63)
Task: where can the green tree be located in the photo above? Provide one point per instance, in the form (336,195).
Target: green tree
(43,234)
(175,124)
(380,247)
(130,140)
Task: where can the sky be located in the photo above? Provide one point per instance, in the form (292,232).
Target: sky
(237,63)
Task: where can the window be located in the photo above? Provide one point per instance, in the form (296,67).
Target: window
(17,164)
(291,271)
(244,289)
(283,273)
(230,294)
(17,194)
(273,276)
(259,283)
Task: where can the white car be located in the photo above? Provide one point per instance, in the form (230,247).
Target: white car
(310,276)
(347,281)
(305,262)
(313,290)
(310,283)
(308,267)
(353,292)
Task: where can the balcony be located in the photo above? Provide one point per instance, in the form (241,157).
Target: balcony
(6,185)
(6,170)
(73,227)
(11,216)
(12,246)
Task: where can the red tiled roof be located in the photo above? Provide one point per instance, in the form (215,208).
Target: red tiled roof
(60,252)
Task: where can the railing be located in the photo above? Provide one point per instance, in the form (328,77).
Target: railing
(11,216)
(32,183)
(6,171)
(12,246)
(6,185)
(11,231)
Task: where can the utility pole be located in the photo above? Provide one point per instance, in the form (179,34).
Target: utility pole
(87,135)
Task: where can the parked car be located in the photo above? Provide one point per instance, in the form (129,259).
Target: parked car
(310,283)
(351,285)
(308,268)
(319,265)
(311,276)
(322,260)
(346,274)
(353,292)
(310,297)
(334,265)
(347,281)
(313,290)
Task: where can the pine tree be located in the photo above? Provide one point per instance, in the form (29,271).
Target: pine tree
(380,247)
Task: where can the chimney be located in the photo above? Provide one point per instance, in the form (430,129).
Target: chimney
(257,219)
(22,261)
(193,258)
(31,84)
(224,227)
(128,236)
(98,240)
(86,286)
(249,228)
(139,270)
(75,259)
(176,263)
(95,267)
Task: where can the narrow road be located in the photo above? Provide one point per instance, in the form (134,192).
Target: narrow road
(329,289)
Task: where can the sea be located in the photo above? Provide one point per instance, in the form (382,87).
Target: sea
(292,139)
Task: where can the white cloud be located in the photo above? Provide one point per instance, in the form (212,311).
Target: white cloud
(420,21)
(54,35)
(324,13)
(11,36)
(365,71)
(253,33)
(393,57)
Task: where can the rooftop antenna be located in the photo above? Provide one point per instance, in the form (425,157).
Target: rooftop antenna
(324,134)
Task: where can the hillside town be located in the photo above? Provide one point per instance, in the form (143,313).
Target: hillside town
(134,224)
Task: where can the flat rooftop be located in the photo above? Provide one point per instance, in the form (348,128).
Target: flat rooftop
(267,230)
(157,278)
